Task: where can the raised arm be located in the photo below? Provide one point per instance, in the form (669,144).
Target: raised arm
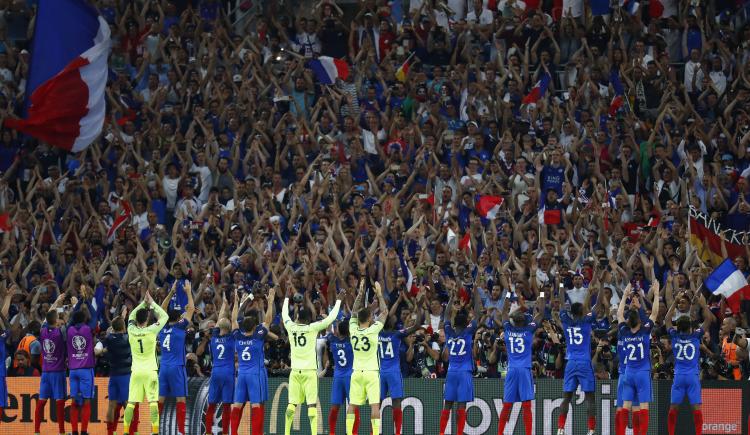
(541,305)
(621,308)
(325,323)
(235,311)
(359,301)
(269,310)
(285,311)
(506,308)
(188,314)
(168,297)
(670,312)
(657,301)
(383,315)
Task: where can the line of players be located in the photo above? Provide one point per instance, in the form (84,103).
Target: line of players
(366,353)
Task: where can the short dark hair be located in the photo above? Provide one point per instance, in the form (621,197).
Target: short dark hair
(118,324)
(363,315)
(51,317)
(79,317)
(174,315)
(304,315)
(141,316)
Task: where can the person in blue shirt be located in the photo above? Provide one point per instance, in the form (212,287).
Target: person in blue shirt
(636,340)
(576,324)
(518,334)
(459,336)
(221,382)
(172,374)
(389,350)
(341,349)
(252,376)
(686,345)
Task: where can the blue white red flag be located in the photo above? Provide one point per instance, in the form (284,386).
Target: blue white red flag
(726,280)
(538,91)
(67,76)
(327,69)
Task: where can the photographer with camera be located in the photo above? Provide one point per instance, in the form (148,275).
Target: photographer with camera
(732,338)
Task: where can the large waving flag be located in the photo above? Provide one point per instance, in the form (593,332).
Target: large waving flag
(488,206)
(411,286)
(67,75)
(123,217)
(704,236)
(327,69)
(726,280)
(538,91)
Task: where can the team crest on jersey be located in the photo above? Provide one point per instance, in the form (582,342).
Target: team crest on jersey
(49,345)
(79,343)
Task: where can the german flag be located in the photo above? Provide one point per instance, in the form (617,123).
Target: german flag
(705,237)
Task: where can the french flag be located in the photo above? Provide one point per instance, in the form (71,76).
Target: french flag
(631,6)
(726,280)
(411,287)
(538,91)
(488,206)
(67,75)
(327,69)
(619,99)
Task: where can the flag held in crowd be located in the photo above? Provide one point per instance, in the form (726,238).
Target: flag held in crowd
(68,75)
(488,206)
(538,91)
(403,71)
(5,223)
(122,218)
(726,280)
(327,69)
(706,236)
(549,217)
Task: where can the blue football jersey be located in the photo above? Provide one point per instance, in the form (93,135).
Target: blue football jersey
(577,336)
(3,373)
(249,349)
(518,342)
(172,343)
(686,349)
(343,357)
(460,345)
(389,343)
(222,351)
(637,346)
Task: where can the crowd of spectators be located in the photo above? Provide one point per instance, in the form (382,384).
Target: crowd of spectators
(240,170)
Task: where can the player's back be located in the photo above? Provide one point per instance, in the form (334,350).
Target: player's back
(222,351)
(518,342)
(172,343)
(686,351)
(143,346)
(637,346)
(577,336)
(343,356)
(80,346)
(302,342)
(249,349)
(365,345)
(389,344)
(460,344)
(118,353)
(53,348)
